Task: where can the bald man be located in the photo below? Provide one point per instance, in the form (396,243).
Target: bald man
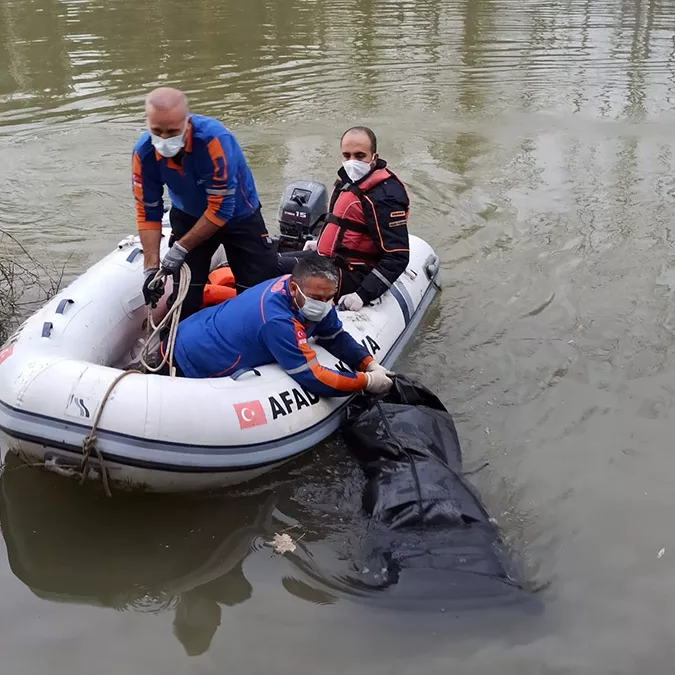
(213,199)
(366,230)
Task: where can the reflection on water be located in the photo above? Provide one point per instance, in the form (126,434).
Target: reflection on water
(143,553)
(140,553)
(186,555)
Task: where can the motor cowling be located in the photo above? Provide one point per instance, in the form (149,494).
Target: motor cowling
(301,213)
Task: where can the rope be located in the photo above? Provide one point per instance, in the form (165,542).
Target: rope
(172,317)
(89,442)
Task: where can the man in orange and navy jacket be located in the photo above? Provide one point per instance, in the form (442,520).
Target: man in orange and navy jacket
(273,322)
(366,230)
(213,199)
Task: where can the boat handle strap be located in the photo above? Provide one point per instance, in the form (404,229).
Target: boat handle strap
(133,254)
(238,373)
(63,304)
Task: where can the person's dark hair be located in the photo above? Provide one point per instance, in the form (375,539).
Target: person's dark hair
(368,132)
(315,266)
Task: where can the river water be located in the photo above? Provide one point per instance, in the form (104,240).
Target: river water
(536,139)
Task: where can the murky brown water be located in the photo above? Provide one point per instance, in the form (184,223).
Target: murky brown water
(537,141)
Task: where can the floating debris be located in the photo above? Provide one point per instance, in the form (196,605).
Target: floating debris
(660,553)
(282,543)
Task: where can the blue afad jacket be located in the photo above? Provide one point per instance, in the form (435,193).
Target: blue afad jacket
(212,178)
(262,325)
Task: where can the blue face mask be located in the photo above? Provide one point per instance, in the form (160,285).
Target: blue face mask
(315,310)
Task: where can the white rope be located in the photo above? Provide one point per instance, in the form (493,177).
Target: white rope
(172,317)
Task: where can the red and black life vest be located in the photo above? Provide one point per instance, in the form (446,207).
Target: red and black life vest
(346,235)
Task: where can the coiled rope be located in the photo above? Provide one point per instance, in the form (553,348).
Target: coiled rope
(171,319)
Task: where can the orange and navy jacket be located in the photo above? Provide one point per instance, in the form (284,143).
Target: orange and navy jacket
(367,228)
(263,326)
(211,178)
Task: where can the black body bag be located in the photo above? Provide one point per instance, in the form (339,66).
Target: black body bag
(429,536)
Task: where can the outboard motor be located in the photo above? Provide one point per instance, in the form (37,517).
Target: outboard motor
(301,213)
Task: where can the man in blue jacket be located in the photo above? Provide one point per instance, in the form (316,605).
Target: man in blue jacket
(273,322)
(213,199)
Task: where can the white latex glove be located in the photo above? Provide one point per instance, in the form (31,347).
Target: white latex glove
(375,366)
(351,302)
(310,245)
(378,382)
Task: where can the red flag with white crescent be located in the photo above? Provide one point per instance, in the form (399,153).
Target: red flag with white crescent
(250,414)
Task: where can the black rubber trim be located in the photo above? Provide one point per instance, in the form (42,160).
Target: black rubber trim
(141,463)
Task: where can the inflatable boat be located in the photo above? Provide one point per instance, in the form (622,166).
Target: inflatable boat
(175,434)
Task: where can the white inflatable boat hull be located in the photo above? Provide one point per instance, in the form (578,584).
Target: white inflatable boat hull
(172,434)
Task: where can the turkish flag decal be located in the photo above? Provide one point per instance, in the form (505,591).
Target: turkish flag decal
(250,414)
(6,353)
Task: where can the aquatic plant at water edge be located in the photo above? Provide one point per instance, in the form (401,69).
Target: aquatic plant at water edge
(25,283)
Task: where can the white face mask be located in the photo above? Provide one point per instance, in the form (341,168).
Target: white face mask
(314,310)
(168,147)
(356,169)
